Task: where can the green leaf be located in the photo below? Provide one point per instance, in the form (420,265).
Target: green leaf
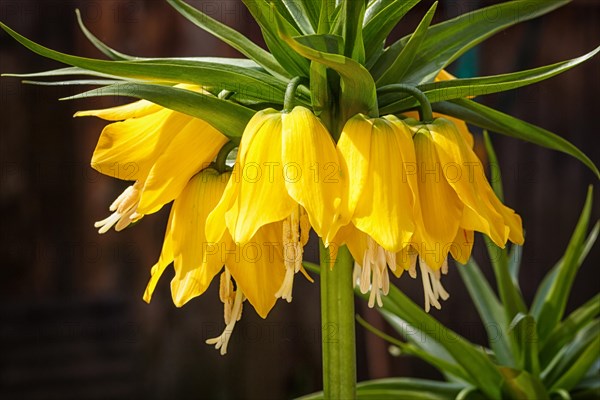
(380,18)
(510,294)
(523,329)
(489,309)
(265,14)
(572,364)
(106,50)
(305,13)
(470,87)
(229,118)
(447,41)
(444,364)
(495,173)
(550,310)
(496,121)
(220,76)
(401,388)
(521,385)
(402,63)
(353,11)
(568,329)
(231,37)
(358,89)
(514,262)
(483,373)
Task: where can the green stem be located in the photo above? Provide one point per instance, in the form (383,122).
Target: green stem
(290,93)
(425,112)
(337,319)
(221,161)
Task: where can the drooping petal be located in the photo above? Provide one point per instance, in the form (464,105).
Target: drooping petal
(465,173)
(258,268)
(127,150)
(354,152)
(132,110)
(192,149)
(459,123)
(384,210)
(441,209)
(462,246)
(311,169)
(197,261)
(262,197)
(165,259)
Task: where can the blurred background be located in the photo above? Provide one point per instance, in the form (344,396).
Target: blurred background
(72,321)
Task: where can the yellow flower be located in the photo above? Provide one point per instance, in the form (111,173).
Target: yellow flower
(158,148)
(257,266)
(379,196)
(455,200)
(286,171)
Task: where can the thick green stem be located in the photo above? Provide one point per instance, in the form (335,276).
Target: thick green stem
(337,321)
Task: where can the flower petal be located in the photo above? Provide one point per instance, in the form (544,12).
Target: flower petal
(197,261)
(441,209)
(354,152)
(191,150)
(385,208)
(311,169)
(127,150)
(258,268)
(132,110)
(465,173)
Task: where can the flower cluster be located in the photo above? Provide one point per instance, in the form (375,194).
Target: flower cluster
(394,190)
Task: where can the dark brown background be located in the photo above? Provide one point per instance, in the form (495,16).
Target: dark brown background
(72,321)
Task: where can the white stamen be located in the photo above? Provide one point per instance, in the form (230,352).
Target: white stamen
(373,274)
(124,210)
(293,234)
(432,286)
(222,340)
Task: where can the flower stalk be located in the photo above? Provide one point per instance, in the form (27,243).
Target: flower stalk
(425,110)
(337,322)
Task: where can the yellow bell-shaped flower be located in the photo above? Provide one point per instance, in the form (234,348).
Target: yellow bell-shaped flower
(379,196)
(455,197)
(158,148)
(257,267)
(287,171)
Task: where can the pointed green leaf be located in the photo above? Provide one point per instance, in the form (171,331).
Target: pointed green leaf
(523,329)
(496,121)
(552,307)
(106,50)
(521,385)
(380,18)
(220,76)
(447,41)
(514,262)
(354,11)
(229,118)
(489,309)
(231,37)
(444,364)
(566,330)
(470,87)
(265,14)
(402,63)
(305,13)
(483,373)
(495,173)
(573,362)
